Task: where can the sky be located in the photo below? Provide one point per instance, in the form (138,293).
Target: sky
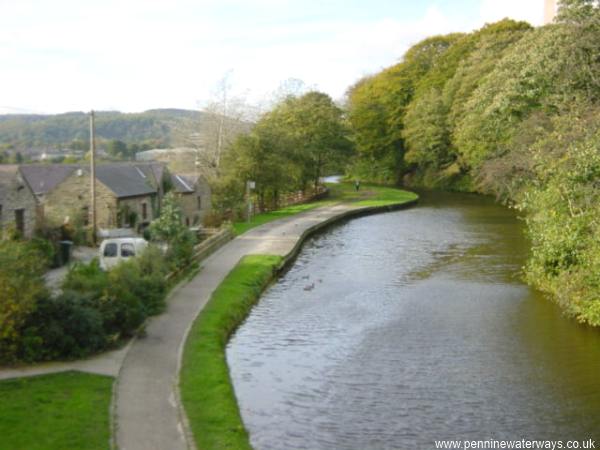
(133,55)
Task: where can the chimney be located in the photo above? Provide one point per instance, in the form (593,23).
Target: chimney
(549,11)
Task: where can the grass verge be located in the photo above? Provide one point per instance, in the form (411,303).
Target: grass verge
(260,219)
(59,411)
(206,390)
(368,195)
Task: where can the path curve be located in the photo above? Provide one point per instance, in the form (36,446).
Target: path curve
(148,415)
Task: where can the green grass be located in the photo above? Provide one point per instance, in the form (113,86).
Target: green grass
(260,219)
(368,195)
(55,412)
(206,390)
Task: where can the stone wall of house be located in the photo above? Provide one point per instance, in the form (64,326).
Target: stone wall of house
(70,202)
(16,195)
(194,206)
(136,205)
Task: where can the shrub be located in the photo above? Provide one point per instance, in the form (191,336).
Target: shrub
(170,229)
(68,326)
(86,278)
(212,220)
(21,287)
(149,288)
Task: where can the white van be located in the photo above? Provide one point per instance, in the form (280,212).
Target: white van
(113,251)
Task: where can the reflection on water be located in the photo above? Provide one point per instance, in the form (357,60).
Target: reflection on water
(395,330)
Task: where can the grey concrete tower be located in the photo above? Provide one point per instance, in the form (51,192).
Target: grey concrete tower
(550,9)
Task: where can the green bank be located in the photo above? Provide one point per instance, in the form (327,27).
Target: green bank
(367,195)
(206,389)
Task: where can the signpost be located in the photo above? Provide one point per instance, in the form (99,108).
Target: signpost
(250,185)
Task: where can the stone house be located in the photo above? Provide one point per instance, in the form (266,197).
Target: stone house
(194,197)
(18,206)
(126,195)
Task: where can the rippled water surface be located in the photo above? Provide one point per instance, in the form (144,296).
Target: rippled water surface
(395,330)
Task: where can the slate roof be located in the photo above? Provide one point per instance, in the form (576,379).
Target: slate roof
(43,178)
(11,178)
(125,180)
(183,184)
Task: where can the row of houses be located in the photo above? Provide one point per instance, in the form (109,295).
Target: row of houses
(127,195)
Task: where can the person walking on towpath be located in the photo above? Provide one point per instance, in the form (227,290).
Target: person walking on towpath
(357,185)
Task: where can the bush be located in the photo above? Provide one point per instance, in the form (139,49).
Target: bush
(96,310)
(181,250)
(68,326)
(45,248)
(125,295)
(86,278)
(170,229)
(21,287)
(149,288)
(212,220)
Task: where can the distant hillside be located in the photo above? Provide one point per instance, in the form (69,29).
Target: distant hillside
(31,133)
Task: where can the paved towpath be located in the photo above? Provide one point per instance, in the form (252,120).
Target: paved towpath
(107,363)
(148,416)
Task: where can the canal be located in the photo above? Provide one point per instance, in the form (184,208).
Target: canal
(398,329)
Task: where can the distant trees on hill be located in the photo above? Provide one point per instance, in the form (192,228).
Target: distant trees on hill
(152,128)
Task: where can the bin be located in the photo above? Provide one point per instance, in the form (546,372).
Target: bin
(66,252)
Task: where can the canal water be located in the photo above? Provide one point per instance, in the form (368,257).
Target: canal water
(395,330)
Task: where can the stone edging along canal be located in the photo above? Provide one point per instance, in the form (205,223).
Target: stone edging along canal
(288,257)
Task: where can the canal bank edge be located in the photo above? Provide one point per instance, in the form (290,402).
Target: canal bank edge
(235,428)
(289,259)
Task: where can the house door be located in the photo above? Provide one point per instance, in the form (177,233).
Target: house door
(20,221)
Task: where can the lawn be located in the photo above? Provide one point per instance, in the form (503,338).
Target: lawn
(367,195)
(206,390)
(55,412)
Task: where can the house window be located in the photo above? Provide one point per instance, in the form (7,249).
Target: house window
(144,211)
(85,212)
(20,221)
(199,202)
(187,221)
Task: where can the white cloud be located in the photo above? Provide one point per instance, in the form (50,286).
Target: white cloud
(140,54)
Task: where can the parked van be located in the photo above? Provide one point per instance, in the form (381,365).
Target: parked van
(113,251)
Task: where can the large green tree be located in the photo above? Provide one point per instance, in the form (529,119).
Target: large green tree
(290,148)
(441,94)
(377,107)
(313,125)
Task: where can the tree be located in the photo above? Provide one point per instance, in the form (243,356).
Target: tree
(290,148)
(117,149)
(223,118)
(562,206)
(21,287)
(313,126)
(169,228)
(426,131)
(377,107)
